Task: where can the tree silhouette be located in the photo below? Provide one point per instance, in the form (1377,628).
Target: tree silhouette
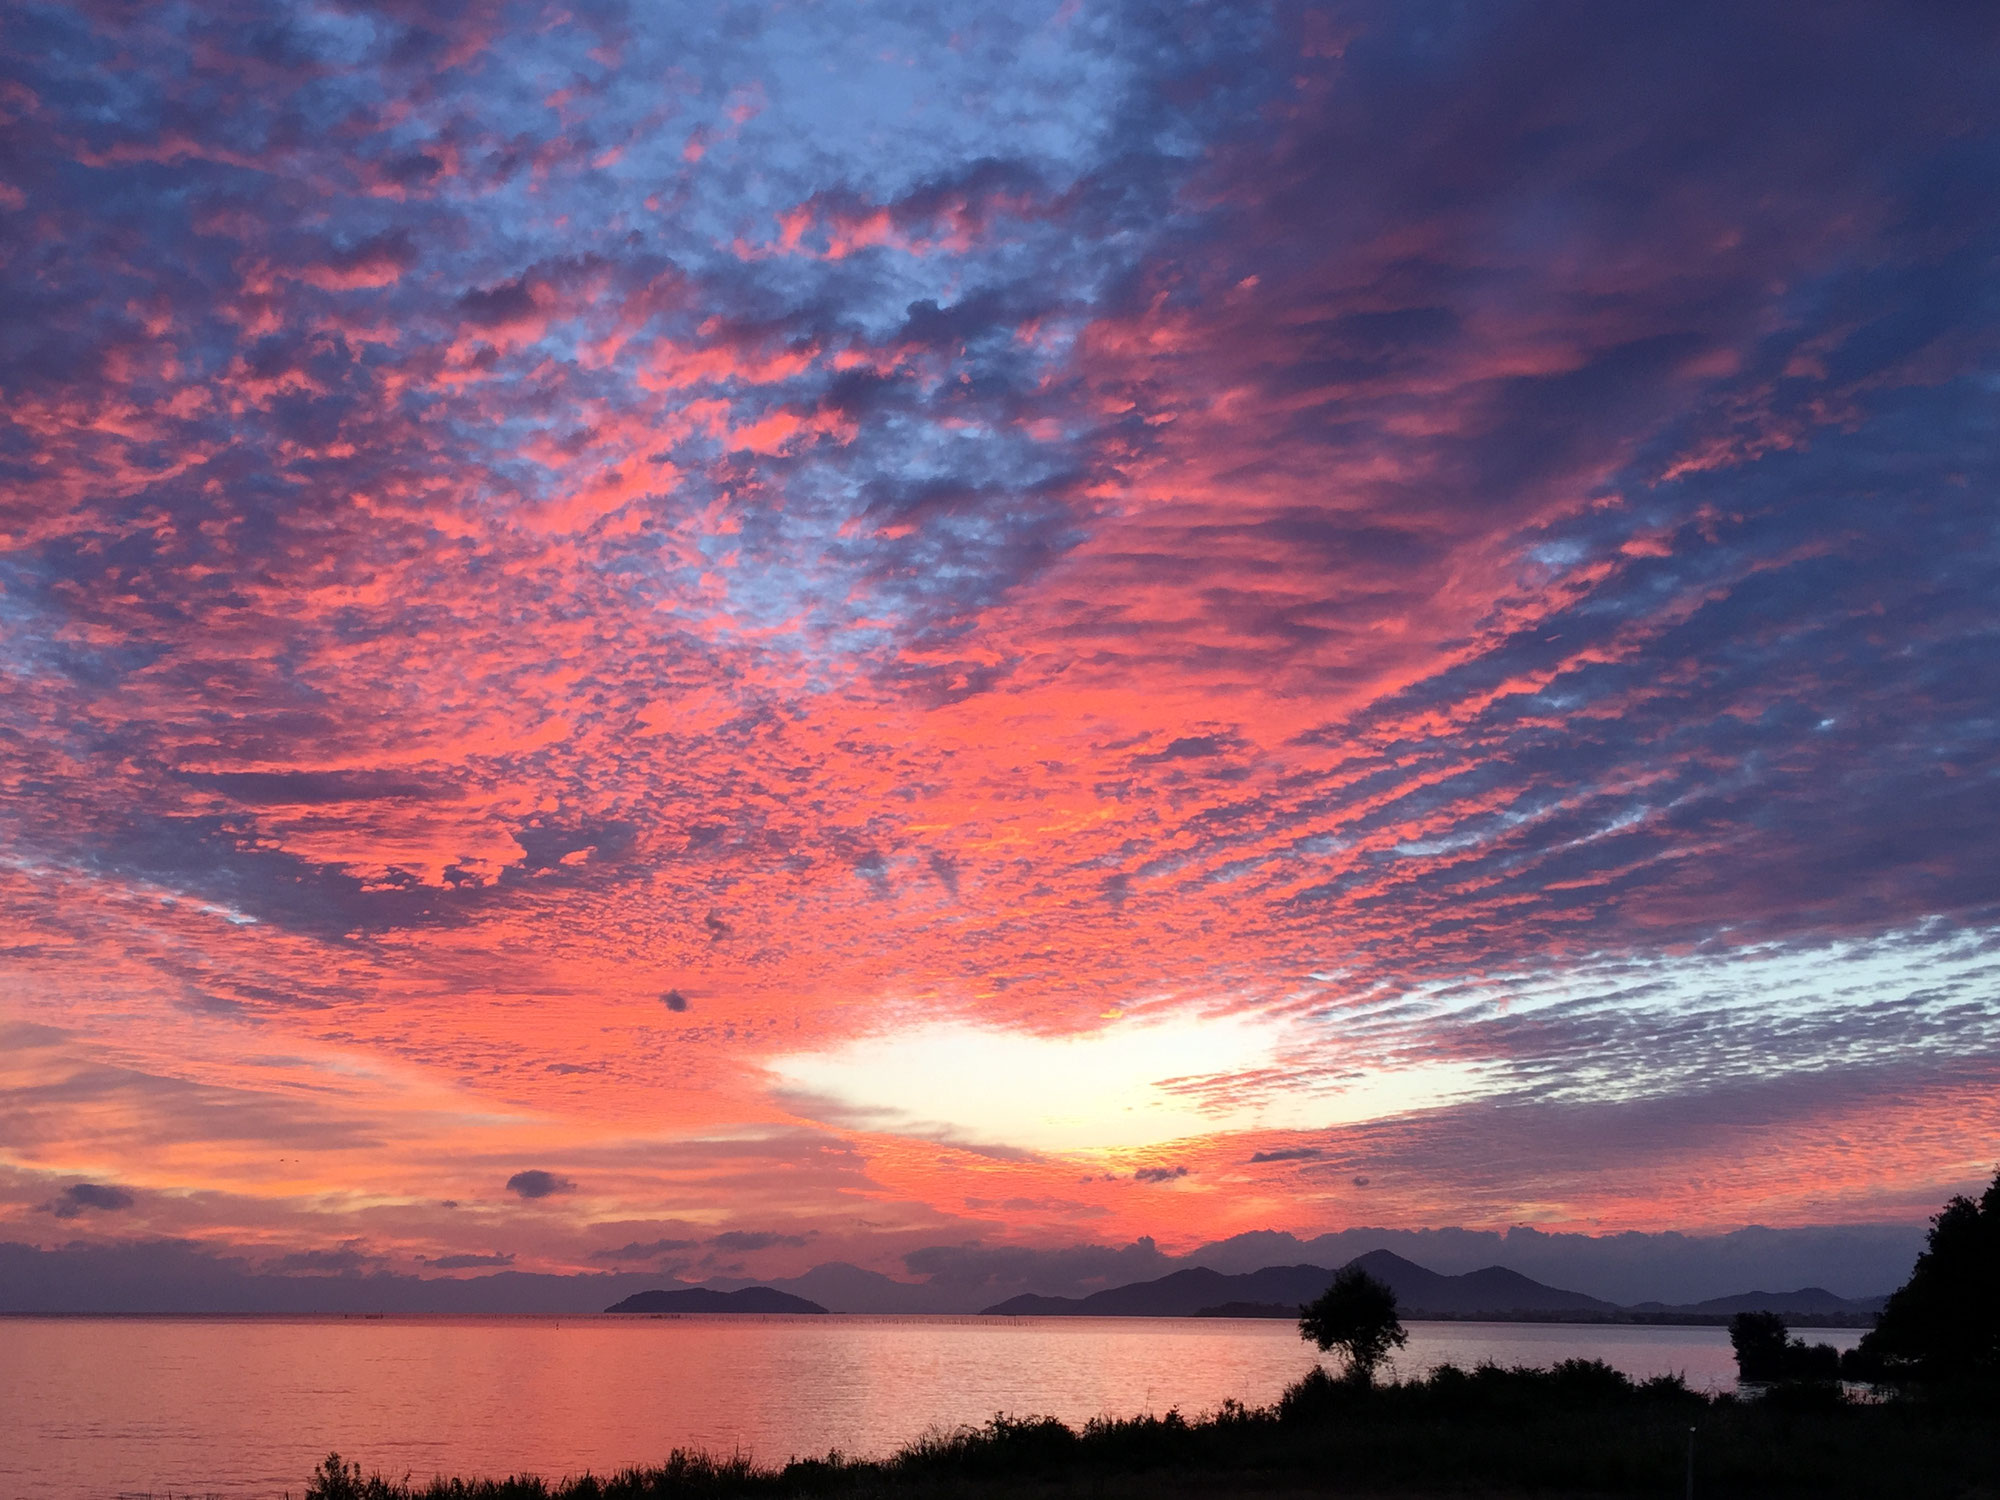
(1356,1315)
(1759,1341)
(1764,1351)
(1943,1324)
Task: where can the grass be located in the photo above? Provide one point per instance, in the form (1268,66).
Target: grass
(1578,1429)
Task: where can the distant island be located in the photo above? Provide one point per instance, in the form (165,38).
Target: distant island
(699,1299)
(1494,1293)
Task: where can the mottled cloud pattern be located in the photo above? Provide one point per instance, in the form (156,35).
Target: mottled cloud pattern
(879,628)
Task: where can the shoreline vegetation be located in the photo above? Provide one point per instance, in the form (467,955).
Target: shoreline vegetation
(1274,1311)
(1579,1428)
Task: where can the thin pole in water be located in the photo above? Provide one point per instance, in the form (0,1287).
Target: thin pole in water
(1690,1493)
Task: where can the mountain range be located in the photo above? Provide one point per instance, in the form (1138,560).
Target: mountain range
(1420,1292)
(1806,1302)
(1275,1292)
(1492,1292)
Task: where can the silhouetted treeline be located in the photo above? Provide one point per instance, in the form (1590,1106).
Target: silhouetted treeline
(1942,1326)
(1940,1330)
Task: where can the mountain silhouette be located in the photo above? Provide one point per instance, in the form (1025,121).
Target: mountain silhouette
(699,1299)
(1494,1291)
(1809,1301)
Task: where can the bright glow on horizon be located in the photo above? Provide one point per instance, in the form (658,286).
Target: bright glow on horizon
(1126,1086)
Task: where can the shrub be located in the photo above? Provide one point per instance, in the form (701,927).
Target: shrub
(333,1480)
(1314,1397)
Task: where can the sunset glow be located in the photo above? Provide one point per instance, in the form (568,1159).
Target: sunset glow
(788,636)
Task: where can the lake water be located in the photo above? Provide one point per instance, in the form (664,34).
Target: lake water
(103,1407)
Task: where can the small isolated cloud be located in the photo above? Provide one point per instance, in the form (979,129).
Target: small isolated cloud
(535,1183)
(674,1001)
(753,1239)
(1159,1174)
(467,1262)
(642,1250)
(1361,1182)
(83,1196)
(1290,1153)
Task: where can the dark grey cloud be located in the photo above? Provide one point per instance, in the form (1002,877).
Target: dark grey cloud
(223,861)
(178,1276)
(314,788)
(740,1240)
(89,1197)
(993,1272)
(468,1262)
(536,1183)
(545,846)
(643,1250)
(1187,747)
(945,868)
(346,1260)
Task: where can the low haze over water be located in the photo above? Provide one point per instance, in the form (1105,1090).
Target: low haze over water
(245,1408)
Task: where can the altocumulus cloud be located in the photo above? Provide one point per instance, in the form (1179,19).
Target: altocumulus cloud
(1461,536)
(535,1183)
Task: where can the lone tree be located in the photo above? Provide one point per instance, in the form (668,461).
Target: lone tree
(1943,1324)
(1357,1316)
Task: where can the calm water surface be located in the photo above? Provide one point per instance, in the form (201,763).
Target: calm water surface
(246,1408)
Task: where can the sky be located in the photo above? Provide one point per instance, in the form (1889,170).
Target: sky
(703,639)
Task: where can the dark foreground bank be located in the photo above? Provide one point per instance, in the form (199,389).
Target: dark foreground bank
(1581,1428)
